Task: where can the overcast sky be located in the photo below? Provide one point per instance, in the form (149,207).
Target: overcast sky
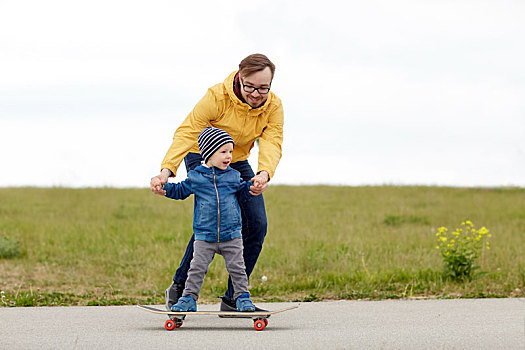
(374,92)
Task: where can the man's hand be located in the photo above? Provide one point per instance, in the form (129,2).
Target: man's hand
(260,182)
(158,181)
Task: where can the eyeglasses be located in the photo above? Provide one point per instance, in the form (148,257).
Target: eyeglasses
(249,89)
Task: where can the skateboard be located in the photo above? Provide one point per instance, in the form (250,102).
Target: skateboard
(260,318)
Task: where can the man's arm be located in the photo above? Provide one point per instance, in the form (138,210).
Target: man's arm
(270,143)
(184,139)
(186,135)
(270,152)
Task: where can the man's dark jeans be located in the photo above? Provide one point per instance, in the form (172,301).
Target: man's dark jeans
(254,225)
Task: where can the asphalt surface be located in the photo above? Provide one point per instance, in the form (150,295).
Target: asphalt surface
(393,324)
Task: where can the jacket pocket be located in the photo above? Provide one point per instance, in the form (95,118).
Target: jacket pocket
(206,217)
(231,215)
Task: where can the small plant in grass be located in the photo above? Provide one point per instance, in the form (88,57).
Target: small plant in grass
(9,248)
(460,249)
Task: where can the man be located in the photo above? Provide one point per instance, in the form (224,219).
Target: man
(245,108)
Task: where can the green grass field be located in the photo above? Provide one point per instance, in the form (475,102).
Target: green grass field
(106,246)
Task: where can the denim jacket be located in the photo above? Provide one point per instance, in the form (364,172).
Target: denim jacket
(216,211)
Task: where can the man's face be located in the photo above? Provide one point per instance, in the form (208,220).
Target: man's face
(261,79)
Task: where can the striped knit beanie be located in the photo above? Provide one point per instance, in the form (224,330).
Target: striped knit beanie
(210,140)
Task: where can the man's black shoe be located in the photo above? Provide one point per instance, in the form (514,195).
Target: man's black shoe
(173,293)
(228,305)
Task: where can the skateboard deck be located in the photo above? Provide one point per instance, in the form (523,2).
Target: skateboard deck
(260,318)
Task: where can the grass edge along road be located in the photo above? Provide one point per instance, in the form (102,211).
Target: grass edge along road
(107,246)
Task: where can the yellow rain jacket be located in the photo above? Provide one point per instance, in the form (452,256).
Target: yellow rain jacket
(221,108)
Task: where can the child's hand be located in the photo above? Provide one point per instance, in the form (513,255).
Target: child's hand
(158,181)
(260,182)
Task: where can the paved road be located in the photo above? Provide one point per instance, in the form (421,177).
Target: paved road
(394,324)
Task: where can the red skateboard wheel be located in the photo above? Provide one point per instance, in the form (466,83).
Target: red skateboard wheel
(170,325)
(259,325)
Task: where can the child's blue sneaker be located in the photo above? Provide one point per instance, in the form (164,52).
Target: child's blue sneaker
(185,303)
(244,303)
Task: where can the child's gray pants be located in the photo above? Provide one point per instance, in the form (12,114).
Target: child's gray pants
(203,253)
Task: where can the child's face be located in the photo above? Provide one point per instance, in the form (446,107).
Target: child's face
(222,157)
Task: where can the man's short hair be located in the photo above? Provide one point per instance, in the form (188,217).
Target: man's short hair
(255,63)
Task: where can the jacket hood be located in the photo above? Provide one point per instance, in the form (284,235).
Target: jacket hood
(228,86)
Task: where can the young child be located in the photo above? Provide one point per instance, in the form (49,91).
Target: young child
(216,218)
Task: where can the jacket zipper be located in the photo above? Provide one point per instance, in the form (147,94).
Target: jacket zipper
(218,207)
